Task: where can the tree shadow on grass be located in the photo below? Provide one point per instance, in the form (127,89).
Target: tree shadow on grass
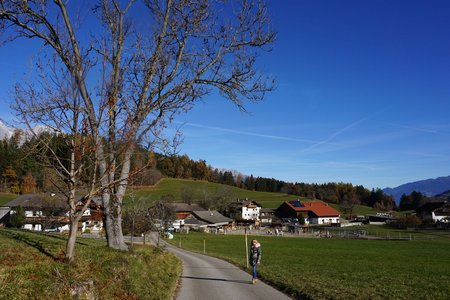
(58,236)
(25,238)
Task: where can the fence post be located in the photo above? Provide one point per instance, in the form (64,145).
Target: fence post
(246,247)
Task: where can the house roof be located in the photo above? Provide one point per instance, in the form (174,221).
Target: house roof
(192,220)
(36,201)
(250,203)
(245,203)
(46,201)
(181,207)
(319,208)
(211,217)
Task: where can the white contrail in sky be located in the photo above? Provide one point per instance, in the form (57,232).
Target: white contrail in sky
(414,128)
(267,136)
(332,136)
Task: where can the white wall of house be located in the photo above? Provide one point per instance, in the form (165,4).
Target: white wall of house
(251,213)
(266,219)
(437,218)
(64,228)
(323,220)
(35,227)
(177,224)
(33,213)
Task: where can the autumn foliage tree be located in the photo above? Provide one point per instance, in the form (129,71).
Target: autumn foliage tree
(28,184)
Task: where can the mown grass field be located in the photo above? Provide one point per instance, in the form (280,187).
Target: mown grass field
(176,187)
(6,197)
(31,268)
(309,268)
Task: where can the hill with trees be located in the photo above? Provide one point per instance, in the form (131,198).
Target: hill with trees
(20,172)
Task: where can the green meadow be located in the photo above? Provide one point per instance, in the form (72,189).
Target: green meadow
(176,187)
(6,197)
(31,268)
(312,268)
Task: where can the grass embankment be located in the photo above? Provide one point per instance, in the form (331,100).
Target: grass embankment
(341,269)
(31,268)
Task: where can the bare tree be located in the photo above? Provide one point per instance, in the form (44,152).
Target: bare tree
(135,219)
(64,144)
(149,71)
(161,216)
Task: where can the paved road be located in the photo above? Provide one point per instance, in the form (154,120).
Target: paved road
(210,278)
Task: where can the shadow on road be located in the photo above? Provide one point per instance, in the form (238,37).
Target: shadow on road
(217,279)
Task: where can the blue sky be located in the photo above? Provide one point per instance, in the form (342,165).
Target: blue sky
(363,96)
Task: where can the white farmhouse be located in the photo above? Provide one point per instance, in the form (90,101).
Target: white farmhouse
(245,210)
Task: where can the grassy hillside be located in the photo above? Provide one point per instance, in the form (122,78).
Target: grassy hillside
(6,197)
(31,268)
(176,187)
(312,268)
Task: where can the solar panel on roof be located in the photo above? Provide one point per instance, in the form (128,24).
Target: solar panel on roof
(296,203)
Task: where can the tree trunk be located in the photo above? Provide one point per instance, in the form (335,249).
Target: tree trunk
(113,205)
(113,223)
(70,246)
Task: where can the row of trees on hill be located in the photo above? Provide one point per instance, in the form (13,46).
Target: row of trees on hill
(344,194)
(412,201)
(21,172)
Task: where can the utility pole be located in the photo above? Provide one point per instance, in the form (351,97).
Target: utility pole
(246,246)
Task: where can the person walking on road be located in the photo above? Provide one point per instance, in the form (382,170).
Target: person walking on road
(255,258)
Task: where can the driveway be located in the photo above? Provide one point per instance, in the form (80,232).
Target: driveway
(209,278)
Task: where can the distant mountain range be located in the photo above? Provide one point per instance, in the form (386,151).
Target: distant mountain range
(429,187)
(5,131)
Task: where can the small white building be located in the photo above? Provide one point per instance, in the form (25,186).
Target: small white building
(434,212)
(246,210)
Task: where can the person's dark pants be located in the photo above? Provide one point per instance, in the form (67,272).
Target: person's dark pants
(254,271)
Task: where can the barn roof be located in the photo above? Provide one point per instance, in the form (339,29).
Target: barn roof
(319,208)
